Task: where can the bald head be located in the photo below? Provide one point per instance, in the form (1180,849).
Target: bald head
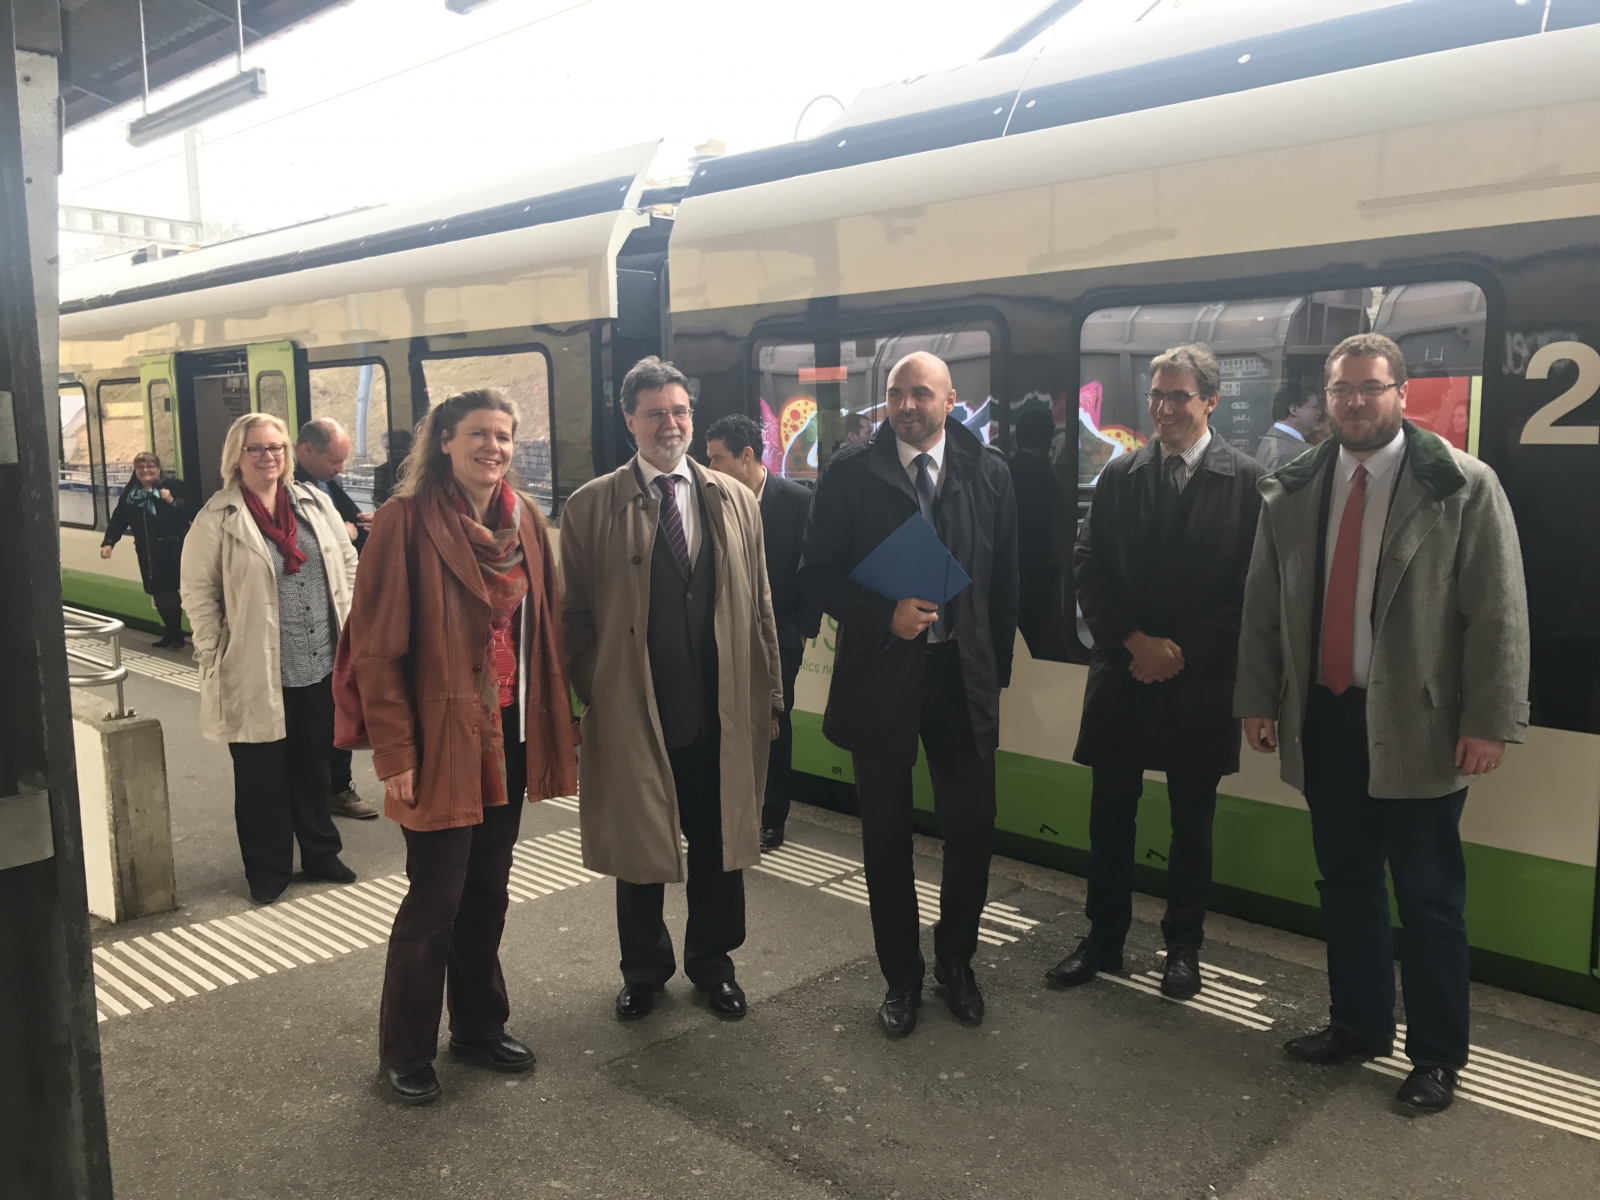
(322,448)
(919,398)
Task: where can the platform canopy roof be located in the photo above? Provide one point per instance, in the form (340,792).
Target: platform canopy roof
(102,68)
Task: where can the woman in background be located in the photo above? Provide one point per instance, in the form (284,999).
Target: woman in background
(455,634)
(267,574)
(152,508)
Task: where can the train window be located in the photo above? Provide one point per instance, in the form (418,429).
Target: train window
(357,396)
(818,396)
(122,435)
(1271,351)
(523,377)
(273,390)
(76,482)
(163,425)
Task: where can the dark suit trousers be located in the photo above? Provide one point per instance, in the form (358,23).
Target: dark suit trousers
(716,897)
(446,938)
(1113,823)
(964,802)
(280,792)
(1354,834)
(780,775)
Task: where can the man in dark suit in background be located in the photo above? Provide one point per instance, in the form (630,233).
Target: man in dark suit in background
(907,671)
(1038,567)
(734,447)
(320,452)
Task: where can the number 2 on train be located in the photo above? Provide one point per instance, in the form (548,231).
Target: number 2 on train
(1541,429)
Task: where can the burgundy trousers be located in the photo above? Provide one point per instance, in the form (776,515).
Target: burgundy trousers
(445,944)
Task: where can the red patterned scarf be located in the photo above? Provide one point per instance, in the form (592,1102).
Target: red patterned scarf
(497,545)
(278,527)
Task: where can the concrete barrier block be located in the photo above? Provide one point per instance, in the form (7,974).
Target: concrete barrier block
(127,823)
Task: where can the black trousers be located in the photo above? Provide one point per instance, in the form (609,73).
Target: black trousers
(170,608)
(1113,824)
(445,944)
(281,790)
(963,800)
(340,770)
(780,774)
(1355,834)
(716,897)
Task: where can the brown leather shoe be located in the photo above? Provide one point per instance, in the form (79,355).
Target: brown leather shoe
(349,803)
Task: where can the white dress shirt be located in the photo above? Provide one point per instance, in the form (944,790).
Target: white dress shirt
(688,503)
(1185,470)
(1382,472)
(1290,430)
(908,456)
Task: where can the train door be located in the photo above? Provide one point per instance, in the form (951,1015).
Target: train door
(272,383)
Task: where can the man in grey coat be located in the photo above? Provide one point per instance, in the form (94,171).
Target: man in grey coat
(1384,654)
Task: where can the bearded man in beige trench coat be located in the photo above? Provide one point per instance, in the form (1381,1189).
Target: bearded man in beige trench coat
(672,647)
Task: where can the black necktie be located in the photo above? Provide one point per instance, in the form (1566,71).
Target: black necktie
(925,488)
(1169,480)
(925,495)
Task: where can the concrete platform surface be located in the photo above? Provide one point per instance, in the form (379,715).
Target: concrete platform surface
(240,1050)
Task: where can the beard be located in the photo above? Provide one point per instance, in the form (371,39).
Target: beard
(664,454)
(1380,435)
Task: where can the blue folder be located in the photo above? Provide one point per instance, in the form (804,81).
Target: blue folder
(912,564)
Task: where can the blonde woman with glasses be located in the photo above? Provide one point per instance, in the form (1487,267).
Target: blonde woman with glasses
(266,580)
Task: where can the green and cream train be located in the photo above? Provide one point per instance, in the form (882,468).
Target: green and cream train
(1048,223)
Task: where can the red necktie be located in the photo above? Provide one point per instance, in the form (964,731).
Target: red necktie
(1339,608)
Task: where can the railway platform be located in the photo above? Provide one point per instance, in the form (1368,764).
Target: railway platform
(239,1047)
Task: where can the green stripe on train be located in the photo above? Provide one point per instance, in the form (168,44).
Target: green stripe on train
(105,593)
(1537,910)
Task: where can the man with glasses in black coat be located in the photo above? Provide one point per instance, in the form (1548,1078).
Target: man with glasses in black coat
(909,670)
(1159,568)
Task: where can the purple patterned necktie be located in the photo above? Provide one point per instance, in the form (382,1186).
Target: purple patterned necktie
(672,519)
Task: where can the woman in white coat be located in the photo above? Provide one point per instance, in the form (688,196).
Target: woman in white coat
(266,580)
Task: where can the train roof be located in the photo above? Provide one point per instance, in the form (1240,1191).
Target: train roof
(601,183)
(1483,135)
(1136,67)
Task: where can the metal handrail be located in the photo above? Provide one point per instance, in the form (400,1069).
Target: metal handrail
(81,624)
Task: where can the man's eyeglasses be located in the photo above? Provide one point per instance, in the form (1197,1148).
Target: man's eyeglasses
(276,450)
(658,416)
(1176,399)
(1370,390)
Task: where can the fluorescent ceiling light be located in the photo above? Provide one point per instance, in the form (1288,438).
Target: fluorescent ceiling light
(464,6)
(191,110)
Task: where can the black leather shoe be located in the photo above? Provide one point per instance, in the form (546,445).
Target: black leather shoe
(413,1087)
(771,838)
(264,896)
(1180,978)
(1082,965)
(961,992)
(897,1015)
(499,1051)
(1335,1045)
(635,1000)
(1428,1089)
(727,1000)
(332,871)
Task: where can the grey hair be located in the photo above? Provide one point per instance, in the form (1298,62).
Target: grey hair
(648,375)
(1196,359)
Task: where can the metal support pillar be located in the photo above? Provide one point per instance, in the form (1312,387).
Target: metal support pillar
(52,1105)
